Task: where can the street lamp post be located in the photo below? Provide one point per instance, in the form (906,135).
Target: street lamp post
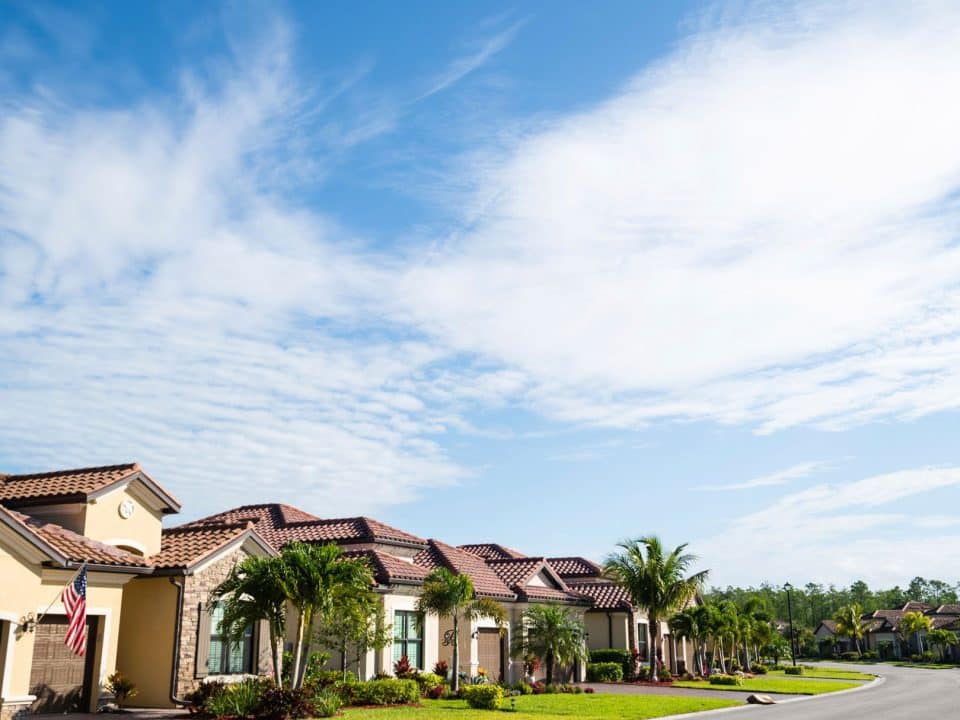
(793,652)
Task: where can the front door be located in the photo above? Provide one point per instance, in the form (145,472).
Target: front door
(60,680)
(489,653)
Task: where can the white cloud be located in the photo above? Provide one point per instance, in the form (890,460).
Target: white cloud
(760,228)
(833,532)
(780,477)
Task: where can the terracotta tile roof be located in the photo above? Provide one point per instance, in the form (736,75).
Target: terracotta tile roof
(516,571)
(829,625)
(281,524)
(914,606)
(492,551)
(485,581)
(185,546)
(74,547)
(575,567)
(77,484)
(604,595)
(389,569)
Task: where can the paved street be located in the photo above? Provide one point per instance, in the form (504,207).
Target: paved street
(907,693)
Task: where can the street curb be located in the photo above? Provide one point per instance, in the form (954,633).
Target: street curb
(878,680)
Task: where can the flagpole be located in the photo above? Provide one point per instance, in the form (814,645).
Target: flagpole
(60,594)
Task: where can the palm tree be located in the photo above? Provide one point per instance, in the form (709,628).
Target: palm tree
(850,623)
(254,592)
(551,632)
(942,638)
(313,576)
(756,627)
(692,623)
(655,580)
(913,623)
(448,594)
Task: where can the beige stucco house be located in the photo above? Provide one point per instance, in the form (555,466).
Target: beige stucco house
(151,614)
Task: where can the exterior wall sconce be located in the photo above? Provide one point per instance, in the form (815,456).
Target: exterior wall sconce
(28,623)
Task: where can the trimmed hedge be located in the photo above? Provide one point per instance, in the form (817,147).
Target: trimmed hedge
(793,670)
(604,672)
(726,680)
(623,657)
(758,669)
(389,691)
(483,697)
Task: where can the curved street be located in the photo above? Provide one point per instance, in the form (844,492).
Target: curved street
(906,693)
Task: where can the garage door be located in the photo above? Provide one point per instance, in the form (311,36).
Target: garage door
(60,679)
(488,653)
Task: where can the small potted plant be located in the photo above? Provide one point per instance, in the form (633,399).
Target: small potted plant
(121,687)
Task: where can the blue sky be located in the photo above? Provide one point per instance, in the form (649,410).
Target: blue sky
(549,274)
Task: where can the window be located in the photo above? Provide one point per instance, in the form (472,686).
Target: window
(225,658)
(408,637)
(642,641)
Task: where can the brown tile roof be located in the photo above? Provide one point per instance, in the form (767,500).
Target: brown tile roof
(604,595)
(492,551)
(575,567)
(389,569)
(281,524)
(185,546)
(950,609)
(829,625)
(938,622)
(485,581)
(70,545)
(77,484)
(914,606)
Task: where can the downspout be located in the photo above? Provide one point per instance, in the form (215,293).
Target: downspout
(175,664)
(610,629)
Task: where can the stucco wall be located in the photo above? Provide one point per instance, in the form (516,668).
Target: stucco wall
(145,652)
(612,632)
(142,529)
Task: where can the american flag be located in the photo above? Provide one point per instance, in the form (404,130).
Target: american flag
(74,598)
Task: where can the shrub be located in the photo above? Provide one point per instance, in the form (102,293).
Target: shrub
(437,692)
(720,679)
(389,691)
(441,668)
(538,688)
(551,689)
(758,669)
(589,691)
(643,673)
(123,688)
(793,670)
(870,655)
(623,657)
(404,670)
(284,704)
(483,697)
(604,672)
(521,688)
(326,703)
(428,682)
(198,697)
(850,655)
(234,700)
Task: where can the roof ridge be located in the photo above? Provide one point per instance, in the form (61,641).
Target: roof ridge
(207,527)
(70,471)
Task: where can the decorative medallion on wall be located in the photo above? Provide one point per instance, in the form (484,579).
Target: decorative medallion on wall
(126,509)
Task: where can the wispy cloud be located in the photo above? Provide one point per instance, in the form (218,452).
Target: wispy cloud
(832,532)
(756,229)
(780,477)
(463,66)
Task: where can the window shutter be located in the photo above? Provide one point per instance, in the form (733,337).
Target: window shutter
(203,640)
(263,652)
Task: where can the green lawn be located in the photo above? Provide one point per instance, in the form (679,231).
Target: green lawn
(824,673)
(928,666)
(599,706)
(786,685)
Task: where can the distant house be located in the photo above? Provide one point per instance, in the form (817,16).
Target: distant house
(883,634)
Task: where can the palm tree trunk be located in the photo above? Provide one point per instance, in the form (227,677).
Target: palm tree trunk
(455,680)
(276,650)
(718,643)
(549,660)
(298,652)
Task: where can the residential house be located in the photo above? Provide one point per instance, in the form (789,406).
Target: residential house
(883,634)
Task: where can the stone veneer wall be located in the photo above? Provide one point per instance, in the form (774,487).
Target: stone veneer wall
(197,590)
